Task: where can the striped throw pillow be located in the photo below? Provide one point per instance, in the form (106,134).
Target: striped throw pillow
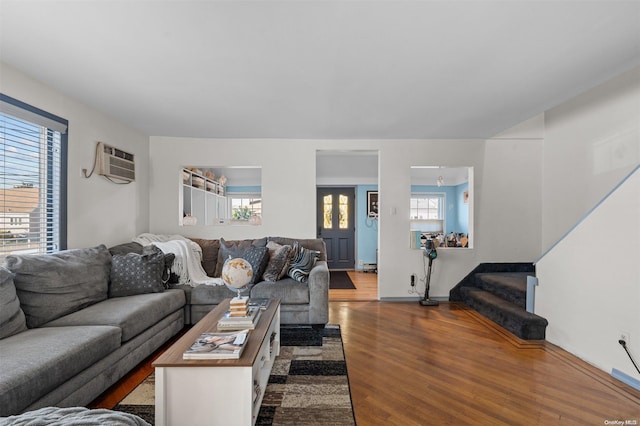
(302,261)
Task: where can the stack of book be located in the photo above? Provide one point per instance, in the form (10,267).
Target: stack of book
(230,322)
(218,346)
(239,307)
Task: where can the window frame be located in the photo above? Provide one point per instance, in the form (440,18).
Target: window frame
(442,199)
(57,225)
(242,195)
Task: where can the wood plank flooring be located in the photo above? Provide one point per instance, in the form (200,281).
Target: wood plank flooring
(447,365)
(366,287)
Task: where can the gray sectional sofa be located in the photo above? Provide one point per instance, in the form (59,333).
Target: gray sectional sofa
(73,323)
(300,302)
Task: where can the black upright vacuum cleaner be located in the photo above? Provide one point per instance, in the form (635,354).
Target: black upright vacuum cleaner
(431,253)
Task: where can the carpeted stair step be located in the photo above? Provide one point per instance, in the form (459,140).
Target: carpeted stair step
(517,320)
(511,286)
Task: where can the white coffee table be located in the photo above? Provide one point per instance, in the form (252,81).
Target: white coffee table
(217,392)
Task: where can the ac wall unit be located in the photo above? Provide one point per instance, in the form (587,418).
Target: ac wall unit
(115,163)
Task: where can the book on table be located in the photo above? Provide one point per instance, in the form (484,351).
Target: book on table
(261,302)
(239,306)
(218,346)
(230,322)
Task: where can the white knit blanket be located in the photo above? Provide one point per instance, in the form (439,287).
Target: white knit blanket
(188,257)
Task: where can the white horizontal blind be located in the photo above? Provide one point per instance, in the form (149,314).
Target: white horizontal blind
(427,212)
(426,206)
(30,183)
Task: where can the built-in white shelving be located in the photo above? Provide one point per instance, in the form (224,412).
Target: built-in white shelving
(202,198)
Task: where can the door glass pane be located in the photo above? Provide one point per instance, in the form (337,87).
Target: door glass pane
(344,212)
(327,206)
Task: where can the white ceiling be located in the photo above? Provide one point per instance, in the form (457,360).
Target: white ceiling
(320,69)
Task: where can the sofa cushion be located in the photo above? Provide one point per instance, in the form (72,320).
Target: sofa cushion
(288,290)
(125,248)
(134,247)
(235,249)
(210,294)
(258,258)
(52,285)
(316,244)
(12,318)
(37,361)
(278,264)
(302,262)
(132,314)
(210,250)
(137,273)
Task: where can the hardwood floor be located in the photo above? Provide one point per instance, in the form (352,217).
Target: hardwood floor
(446,365)
(414,365)
(366,288)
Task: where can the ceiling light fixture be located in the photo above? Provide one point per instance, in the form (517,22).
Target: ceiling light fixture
(440,181)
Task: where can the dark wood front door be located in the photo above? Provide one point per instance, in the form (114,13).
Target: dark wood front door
(336,225)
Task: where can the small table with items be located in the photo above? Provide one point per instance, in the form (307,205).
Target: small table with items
(217,391)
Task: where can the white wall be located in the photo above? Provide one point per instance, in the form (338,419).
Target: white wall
(510,194)
(98,211)
(510,185)
(589,286)
(592,141)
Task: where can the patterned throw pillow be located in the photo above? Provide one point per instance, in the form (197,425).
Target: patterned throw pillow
(134,273)
(235,249)
(258,258)
(302,261)
(278,261)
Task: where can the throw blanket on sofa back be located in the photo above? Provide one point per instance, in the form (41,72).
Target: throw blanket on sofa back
(188,256)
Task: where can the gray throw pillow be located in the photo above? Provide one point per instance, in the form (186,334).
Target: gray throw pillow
(12,320)
(210,250)
(278,261)
(258,258)
(302,262)
(235,249)
(134,273)
(130,247)
(52,285)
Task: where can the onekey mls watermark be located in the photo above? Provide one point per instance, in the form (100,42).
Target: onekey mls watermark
(628,422)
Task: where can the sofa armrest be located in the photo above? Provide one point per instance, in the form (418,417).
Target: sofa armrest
(319,293)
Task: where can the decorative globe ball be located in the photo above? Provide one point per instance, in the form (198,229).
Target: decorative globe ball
(237,273)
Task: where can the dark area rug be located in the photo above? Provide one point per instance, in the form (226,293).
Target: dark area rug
(308,385)
(339,280)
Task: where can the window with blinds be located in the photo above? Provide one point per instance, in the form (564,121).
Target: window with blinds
(33,147)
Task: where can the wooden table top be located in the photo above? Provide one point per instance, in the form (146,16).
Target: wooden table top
(172,357)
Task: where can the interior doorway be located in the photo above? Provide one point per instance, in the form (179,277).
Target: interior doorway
(335,225)
(357,169)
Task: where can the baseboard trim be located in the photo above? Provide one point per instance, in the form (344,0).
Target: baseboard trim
(625,378)
(411,299)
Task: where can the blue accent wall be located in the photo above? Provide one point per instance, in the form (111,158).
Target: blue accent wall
(463,209)
(367,228)
(232,189)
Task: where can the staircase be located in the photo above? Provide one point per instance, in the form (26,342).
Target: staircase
(499,292)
